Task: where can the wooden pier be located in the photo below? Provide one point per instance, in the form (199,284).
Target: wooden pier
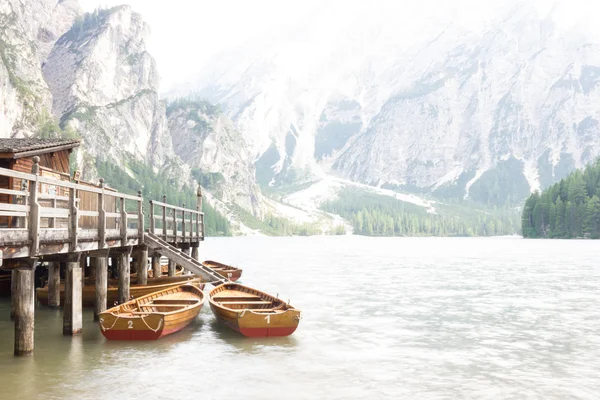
(47,218)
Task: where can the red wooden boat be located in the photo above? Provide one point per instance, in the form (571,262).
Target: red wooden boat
(252,312)
(153,316)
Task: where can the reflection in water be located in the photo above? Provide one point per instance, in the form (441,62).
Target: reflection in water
(396,318)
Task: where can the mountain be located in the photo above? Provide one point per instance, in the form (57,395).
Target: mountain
(284,133)
(66,73)
(28,29)
(488,114)
(207,141)
(104,85)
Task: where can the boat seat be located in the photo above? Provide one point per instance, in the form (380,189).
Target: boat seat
(173,301)
(245,302)
(165,305)
(237,298)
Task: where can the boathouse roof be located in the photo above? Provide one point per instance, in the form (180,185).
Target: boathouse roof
(27,147)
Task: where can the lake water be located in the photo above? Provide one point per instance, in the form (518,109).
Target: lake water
(398,318)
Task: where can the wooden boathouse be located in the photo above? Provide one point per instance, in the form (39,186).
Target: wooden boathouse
(48,219)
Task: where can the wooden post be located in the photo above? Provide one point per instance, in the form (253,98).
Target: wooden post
(174,222)
(72,314)
(195,253)
(142,265)
(24,310)
(156,267)
(101,217)
(172,266)
(73,219)
(123,223)
(34,210)
(164,218)
(152,221)
(188,251)
(191,227)
(101,285)
(201,226)
(183,222)
(124,271)
(199,209)
(54,284)
(140,223)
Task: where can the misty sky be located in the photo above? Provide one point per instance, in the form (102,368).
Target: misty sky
(186,33)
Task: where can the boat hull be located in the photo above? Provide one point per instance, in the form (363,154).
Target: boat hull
(282,320)
(120,324)
(255,325)
(150,328)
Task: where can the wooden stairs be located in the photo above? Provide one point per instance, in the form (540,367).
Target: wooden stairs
(176,255)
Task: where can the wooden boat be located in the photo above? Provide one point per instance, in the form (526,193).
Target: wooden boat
(154,315)
(229,272)
(252,312)
(112,294)
(164,270)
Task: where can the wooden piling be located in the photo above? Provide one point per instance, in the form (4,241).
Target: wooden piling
(124,271)
(187,250)
(156,267)
(72,314)
(142,265)
(172,266)
(24,311)
(13,291)
(196,253)
(101,284)
(54,284)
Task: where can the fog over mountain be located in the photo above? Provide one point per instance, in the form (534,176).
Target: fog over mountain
(428,102)
(502,106)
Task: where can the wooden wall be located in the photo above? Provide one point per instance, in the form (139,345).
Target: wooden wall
(89,202)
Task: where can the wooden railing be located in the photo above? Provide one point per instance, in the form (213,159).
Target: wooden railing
(53,216)
(176,224)
(24,232)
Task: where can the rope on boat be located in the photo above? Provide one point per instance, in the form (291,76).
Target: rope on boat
(141,316)
(107,329)
(148,326)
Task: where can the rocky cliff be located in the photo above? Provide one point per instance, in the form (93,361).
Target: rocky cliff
(28,29)
(104,86)
(63,72)
(488,115)
(207,141)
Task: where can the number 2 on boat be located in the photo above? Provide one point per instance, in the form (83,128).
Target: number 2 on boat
(129,324)
(268,318)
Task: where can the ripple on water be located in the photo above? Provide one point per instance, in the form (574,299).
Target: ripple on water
(426,318)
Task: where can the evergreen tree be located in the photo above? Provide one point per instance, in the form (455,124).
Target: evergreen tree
(560,228)
(568,209)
